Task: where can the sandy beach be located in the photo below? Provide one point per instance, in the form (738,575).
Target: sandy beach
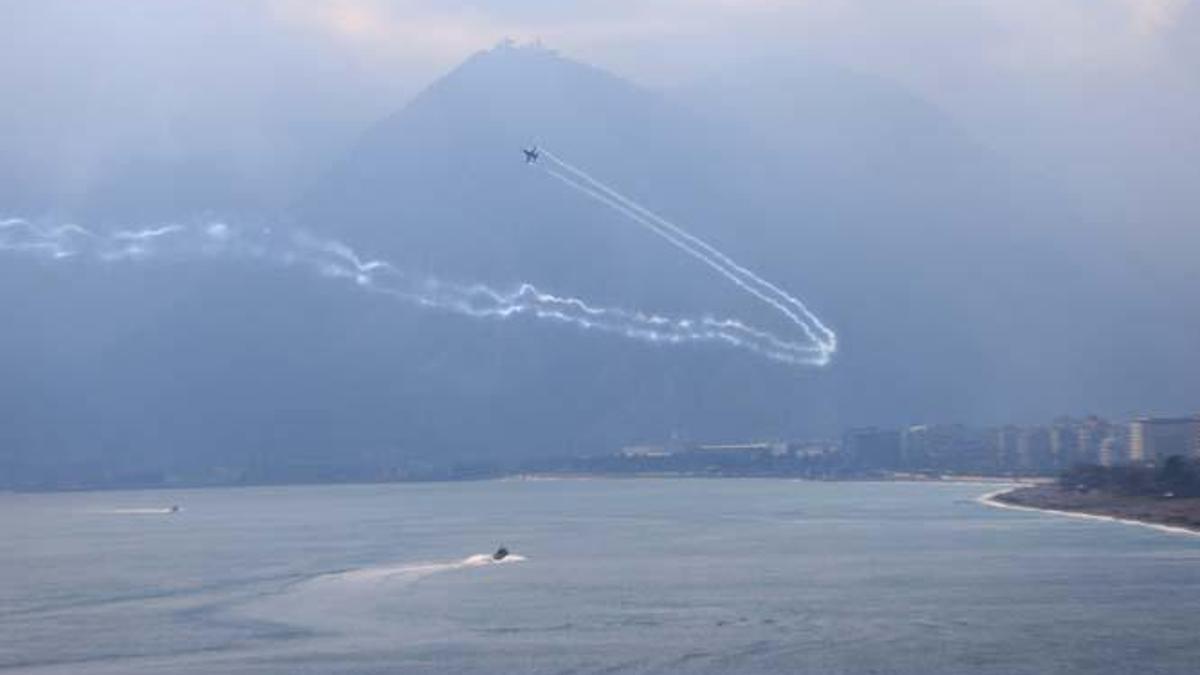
(1176,516)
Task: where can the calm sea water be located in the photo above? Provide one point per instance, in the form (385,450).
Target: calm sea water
(669,576)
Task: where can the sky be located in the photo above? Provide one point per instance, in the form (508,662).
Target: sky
(1102,93)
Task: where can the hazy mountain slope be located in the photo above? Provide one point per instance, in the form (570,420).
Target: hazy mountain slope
(937,233)
(441,187)
(953,298)
(855,205)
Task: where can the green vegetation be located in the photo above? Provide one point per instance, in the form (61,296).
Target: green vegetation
(1177,477)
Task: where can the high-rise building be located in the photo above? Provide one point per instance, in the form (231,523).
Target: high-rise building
(873,448)
(1153,439)
(914,447)
(951,447)
(1064,443)
(1033,450)
(1006,442)
(1093,431)
(1110,453)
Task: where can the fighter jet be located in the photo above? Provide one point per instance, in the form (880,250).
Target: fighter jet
(531,154)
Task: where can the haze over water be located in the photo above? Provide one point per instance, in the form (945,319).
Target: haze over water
(631,576)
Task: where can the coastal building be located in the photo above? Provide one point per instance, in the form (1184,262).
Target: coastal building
(631,451)
(812,448)
(975,451)
(1064,443)
(1005,446)
(1093,431)
(873,448)
(914,447)
(729,455)
(1114,450)
(1033,450)
(736,449)
(951,447)
(1153,439)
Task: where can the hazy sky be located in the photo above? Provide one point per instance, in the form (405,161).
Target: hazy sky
(1106,90)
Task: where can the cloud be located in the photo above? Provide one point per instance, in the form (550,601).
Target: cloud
(1151,17)
(375,30)
(915,40)
(446,32)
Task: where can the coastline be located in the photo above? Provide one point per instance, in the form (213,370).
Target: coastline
(537,476)
(950,479)
(1011,498)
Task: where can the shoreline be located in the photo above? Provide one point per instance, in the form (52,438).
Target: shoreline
(995,499)
(533,477)
(949,479)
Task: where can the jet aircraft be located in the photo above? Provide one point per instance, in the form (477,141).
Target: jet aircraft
(531,154)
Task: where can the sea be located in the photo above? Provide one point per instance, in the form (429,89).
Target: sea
(604,576)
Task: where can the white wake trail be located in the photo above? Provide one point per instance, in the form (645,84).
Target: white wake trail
(822,338)
(332,259)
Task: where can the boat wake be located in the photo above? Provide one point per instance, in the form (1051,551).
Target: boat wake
(355,607)
(412,572)
(166,511)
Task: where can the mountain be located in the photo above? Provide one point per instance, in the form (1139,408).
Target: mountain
(441,188)
(852,193)
(954,296)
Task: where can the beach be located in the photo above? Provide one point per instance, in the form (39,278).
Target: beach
(1181,515)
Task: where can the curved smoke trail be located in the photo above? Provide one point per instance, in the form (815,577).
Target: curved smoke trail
(333,259)
(819,337)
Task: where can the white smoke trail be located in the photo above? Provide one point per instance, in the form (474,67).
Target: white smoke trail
(819,335)
(814,344)
(333,259)
(658,222)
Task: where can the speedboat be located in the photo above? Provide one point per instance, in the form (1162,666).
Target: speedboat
(500,554)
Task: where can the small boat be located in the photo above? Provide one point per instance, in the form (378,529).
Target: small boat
(174,509)
(500,554)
